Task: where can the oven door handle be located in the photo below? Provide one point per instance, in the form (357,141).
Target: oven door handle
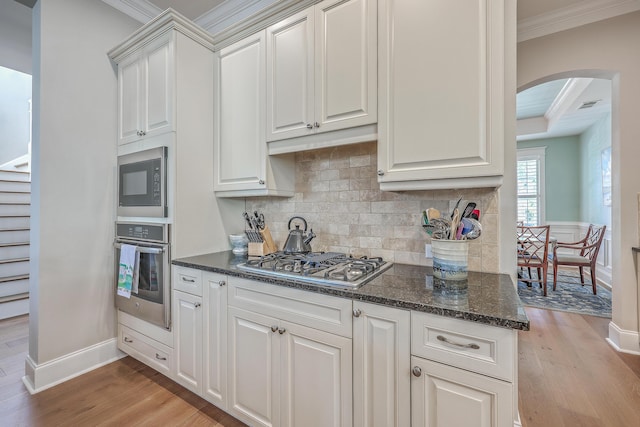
(143,249)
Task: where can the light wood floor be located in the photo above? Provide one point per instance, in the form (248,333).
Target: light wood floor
(569,377)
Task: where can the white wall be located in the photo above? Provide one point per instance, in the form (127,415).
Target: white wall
(73,183)
(15,36)
(605,49)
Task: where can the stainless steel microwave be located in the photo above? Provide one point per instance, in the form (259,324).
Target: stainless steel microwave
(142,184)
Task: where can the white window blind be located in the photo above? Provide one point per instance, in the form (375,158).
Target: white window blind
(530,176)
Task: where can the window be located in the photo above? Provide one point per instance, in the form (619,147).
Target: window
(530,175)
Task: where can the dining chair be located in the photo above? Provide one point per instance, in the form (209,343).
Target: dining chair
(585,254)
(533,249)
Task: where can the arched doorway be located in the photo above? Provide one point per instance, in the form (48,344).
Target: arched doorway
(564,145)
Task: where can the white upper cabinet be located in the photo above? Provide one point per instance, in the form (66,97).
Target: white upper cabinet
(322,69)
(242,166)
(145,90)
(443,68)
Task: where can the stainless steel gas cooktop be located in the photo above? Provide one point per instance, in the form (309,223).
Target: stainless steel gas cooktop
(322,268)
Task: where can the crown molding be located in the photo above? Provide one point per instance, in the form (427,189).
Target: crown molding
(140,10)
(228,13)
(165,21)
(573,16)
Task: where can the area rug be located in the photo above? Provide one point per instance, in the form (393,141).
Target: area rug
(569,295)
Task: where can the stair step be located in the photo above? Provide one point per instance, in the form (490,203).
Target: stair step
(20,176)
(11,222)
(14,267)
(15,209)
(14,286)
(15,186)
(14,308)
(14,250)
(14,197)
(13,278)
(14,235)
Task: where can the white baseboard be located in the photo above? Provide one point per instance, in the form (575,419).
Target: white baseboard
(14,308)
(45,375)
(622,340)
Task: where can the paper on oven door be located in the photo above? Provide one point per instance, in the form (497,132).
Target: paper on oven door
(127,270)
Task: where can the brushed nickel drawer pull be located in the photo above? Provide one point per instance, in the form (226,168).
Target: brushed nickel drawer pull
(127,339)
(471,346)
(160,357)
(184,279)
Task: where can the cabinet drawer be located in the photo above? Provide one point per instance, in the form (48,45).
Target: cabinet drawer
(187,280)
(472,346)
(151,353)
(323,312)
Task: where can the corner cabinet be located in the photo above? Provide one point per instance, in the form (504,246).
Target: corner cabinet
(322,75)
(242,166)
(445,71)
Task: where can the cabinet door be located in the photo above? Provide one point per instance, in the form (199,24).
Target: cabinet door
(215,339)
(254,370)
(381,367)
(187,323)
(316,378)
(130,98)
(346,63)
(443,396)
(240,149)
(290,77)
(159,91)
(442,91)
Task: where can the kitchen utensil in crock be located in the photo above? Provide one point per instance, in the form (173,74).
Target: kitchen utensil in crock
(298,241)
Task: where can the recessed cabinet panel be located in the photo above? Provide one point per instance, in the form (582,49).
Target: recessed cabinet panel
(215,339)
(130,97)
(346,59)
(316,375)
(443,396)
(187,323)
(242,150)
(254,354)
(442,67)
(381,370)
(159,88)
(290,76)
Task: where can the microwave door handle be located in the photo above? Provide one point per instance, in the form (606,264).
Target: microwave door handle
(143,249)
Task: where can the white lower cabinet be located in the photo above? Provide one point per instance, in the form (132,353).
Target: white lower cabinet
(187,323)
(381,370)
(282,373)
(215,339)
(464,373)
(200,333)
(444,396)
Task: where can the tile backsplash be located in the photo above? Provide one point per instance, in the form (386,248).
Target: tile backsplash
(338,194)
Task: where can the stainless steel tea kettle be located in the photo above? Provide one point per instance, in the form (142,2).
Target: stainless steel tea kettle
(298,241)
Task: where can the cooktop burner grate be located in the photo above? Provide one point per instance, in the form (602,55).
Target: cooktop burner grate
(322,268)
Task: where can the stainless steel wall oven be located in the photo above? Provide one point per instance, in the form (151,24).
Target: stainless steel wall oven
(152,301)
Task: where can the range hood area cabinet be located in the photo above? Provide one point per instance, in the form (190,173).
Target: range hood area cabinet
(242,166)
(322,69)
(442,70)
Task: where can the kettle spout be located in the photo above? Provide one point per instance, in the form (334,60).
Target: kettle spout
(310,237)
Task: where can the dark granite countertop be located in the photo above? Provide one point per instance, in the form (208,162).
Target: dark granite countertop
(635,249)
(491,299)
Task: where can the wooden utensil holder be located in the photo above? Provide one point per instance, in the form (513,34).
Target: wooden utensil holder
(266,247)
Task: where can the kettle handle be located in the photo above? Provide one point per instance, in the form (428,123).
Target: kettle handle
(298,217)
